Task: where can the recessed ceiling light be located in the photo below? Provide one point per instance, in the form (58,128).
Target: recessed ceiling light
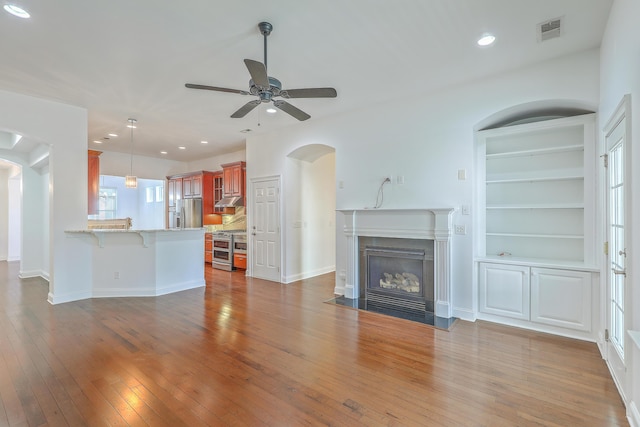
(204,142)
(113,135)
(486,39)
(245,131)
(182,148)
(271,110)
(163,152)
(132,126)
(16,11)
(97,142)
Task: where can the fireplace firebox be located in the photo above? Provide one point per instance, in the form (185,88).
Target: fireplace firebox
(398,273)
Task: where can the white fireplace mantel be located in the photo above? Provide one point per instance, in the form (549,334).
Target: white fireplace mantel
(428,223)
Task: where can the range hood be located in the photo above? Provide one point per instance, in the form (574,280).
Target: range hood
(230,202)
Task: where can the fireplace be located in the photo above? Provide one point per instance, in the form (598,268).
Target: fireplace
(421,237)
(397,273)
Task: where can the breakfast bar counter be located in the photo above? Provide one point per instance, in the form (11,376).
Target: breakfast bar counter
(127,263)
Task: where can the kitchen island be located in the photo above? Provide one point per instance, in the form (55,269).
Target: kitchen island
(128,263)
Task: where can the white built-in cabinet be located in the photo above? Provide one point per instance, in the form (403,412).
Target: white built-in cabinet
(542,296)
(535,232)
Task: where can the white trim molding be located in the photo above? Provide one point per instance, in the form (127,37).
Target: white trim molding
(428,223)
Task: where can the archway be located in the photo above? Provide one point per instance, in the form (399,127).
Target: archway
(10,210)
(310,218)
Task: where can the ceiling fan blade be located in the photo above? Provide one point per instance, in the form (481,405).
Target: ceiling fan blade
(318,92)
(258,73)
(290,109)
(218,89)
(245,109)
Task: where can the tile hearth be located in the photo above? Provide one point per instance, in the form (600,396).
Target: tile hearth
(426,318)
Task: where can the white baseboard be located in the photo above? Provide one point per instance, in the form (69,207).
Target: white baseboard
(146,291)
(464,314)
(633,415)
(74,296)
(309,274)
(33,273)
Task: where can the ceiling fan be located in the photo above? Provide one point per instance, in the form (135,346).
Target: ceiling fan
(267,88)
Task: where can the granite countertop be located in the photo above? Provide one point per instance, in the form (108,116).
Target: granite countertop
(133,230)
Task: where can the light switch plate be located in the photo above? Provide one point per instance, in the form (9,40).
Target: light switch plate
(460,229)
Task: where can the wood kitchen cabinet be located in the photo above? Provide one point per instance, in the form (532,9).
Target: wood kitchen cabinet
(192,185)
(93,163)
(234,179)
(218,190)
(208,247)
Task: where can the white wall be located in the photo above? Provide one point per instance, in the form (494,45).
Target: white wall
(4,214)
(14,219)
(426,138)
(620,75)
(119,164)
(64,129)
(309,217)
(214,163)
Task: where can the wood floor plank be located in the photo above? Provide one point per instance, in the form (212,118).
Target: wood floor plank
(247,352)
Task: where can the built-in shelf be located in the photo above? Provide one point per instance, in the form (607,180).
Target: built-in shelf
(533,187)
(539,262)
(536,260)
(535,152)
(537,236)
(532,179)
(549,206)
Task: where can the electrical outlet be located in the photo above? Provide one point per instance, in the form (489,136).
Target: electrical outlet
(466,210)
(116,275)
(460,229)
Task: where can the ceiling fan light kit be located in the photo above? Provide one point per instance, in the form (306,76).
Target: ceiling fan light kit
(266,88)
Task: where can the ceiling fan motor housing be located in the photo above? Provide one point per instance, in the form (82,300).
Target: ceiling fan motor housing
(266,94)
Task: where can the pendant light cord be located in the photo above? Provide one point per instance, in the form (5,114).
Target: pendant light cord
(131,125)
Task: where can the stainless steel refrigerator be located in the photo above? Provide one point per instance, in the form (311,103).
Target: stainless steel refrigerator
(190,213)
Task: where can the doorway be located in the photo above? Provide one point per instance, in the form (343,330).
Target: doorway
(265,229)
(617,173)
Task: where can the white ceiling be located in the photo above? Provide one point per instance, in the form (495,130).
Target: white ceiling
(121,59)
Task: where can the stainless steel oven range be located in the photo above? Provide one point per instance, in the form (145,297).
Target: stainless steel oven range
(240,250)
(222,256)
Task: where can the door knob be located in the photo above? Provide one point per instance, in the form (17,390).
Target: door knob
(620,272)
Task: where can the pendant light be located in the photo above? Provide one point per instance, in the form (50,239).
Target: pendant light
(131,181)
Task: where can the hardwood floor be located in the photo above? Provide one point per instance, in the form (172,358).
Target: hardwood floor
(247,352)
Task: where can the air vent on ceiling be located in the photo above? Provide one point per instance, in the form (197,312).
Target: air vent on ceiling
(549,29)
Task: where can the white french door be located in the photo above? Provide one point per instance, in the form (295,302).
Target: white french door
(617,190)
(265,229)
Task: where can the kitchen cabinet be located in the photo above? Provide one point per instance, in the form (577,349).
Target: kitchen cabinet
(174,190)
(93,169)
(218,189)
(208,247)
(240,261)
(191,185)
(538,296)
(234,179)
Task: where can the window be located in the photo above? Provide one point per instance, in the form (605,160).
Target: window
(159,193)
(107,203)
(149,193)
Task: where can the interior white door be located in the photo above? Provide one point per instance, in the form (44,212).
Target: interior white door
(617,230)
(265,231)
